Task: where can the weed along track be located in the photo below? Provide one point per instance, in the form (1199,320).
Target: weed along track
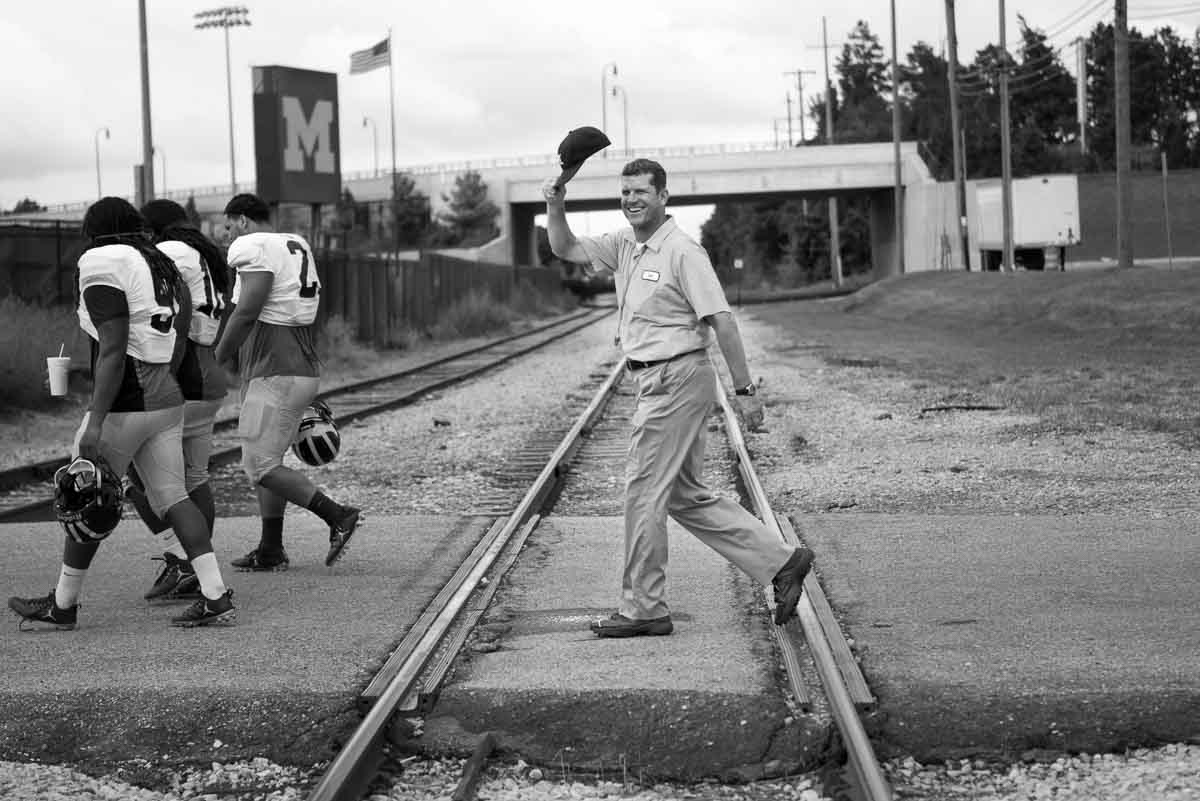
(501,614)
(25,492)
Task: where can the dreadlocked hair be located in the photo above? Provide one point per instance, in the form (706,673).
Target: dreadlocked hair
(114,221)
(169,222)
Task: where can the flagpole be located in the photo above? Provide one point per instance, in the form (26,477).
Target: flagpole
(392,114)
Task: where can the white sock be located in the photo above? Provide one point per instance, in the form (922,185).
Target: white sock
(70,582)
(208,572)
(171,543)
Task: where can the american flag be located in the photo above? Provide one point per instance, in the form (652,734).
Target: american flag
(371,58)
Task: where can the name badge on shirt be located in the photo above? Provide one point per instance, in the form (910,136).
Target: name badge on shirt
(649,275)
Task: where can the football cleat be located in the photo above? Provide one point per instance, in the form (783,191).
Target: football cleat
(262,560)
(339,535)
(206,612)
(43,613)
(177,581)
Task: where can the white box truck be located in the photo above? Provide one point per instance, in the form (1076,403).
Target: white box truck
(1045,216)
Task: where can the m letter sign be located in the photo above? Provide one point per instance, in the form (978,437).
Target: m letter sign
(296,147)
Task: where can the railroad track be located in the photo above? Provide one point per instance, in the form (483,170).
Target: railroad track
(409,680)
(25,493)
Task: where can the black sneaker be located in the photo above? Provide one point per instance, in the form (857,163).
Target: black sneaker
(177,580)
(205,612)
(340,534)
(261,559)
(789,583)
(43,613)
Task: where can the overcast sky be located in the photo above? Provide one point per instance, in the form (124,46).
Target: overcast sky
(475,79)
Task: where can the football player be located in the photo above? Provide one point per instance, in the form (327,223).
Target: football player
(202,266)
(269,339)
(132,305)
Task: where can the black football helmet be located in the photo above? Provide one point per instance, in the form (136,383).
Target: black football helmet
(88,499)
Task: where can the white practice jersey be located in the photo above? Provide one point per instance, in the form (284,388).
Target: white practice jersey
(295,290)
(152,307)
(206,301)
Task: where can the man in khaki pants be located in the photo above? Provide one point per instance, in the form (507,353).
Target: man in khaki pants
(670,306)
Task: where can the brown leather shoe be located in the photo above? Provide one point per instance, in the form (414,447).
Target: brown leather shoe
(620,626)
(789,583)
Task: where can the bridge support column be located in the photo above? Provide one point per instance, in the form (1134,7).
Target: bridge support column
(885,242)
(523,234)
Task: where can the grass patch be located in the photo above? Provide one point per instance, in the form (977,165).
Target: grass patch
(30,334)
(1082,350)
(478,313)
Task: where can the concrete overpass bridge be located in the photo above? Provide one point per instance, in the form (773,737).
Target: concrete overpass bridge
(695,175)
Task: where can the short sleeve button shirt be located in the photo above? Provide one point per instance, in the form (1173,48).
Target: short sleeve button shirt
(665,287)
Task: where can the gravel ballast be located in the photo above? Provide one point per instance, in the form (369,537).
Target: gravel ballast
(409,462)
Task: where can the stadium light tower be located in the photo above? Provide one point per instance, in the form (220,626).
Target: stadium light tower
(226,17)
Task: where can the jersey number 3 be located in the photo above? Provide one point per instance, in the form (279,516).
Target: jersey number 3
(307,290)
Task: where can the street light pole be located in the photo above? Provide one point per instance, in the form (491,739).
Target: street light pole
(624,113)
(226,17)
(604,96)
(99,191)
(374,140)
(162,154)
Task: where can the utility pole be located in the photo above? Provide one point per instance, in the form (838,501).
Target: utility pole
(1008,260)
(1081,92)
(898,200)
(146,190)
(960,177)
(789,108)
(1121,101)
(835,245)
(799,73)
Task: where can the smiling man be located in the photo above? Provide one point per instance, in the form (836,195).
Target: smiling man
(671,307)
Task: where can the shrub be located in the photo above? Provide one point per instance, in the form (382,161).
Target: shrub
(476,314)
(336,345)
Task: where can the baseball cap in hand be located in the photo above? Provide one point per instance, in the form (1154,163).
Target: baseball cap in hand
(579,145)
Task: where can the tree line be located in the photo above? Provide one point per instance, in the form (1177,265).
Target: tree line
(786,243)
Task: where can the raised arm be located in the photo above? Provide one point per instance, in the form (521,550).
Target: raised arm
(562,239)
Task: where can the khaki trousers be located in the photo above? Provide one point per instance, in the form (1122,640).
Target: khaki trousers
(664,475)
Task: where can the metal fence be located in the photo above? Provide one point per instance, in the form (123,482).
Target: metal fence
(382,297)
(37,260)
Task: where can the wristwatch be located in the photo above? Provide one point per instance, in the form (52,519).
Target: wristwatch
(749,389)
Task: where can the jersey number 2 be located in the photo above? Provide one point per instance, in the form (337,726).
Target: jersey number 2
(307,290)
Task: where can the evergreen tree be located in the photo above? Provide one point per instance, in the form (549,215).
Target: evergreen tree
(26,206)
(862,80)
(410,211)
(189,208)
(469,215)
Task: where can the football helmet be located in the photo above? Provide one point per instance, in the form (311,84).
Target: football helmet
(317,440)
(88,499)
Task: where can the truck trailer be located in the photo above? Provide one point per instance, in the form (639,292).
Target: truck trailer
(1045,217)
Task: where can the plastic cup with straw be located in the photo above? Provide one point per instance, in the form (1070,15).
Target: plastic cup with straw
(59,369)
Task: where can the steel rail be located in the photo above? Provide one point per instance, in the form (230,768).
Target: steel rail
(13,477)
(344,774)
(860,752)
(43,471)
